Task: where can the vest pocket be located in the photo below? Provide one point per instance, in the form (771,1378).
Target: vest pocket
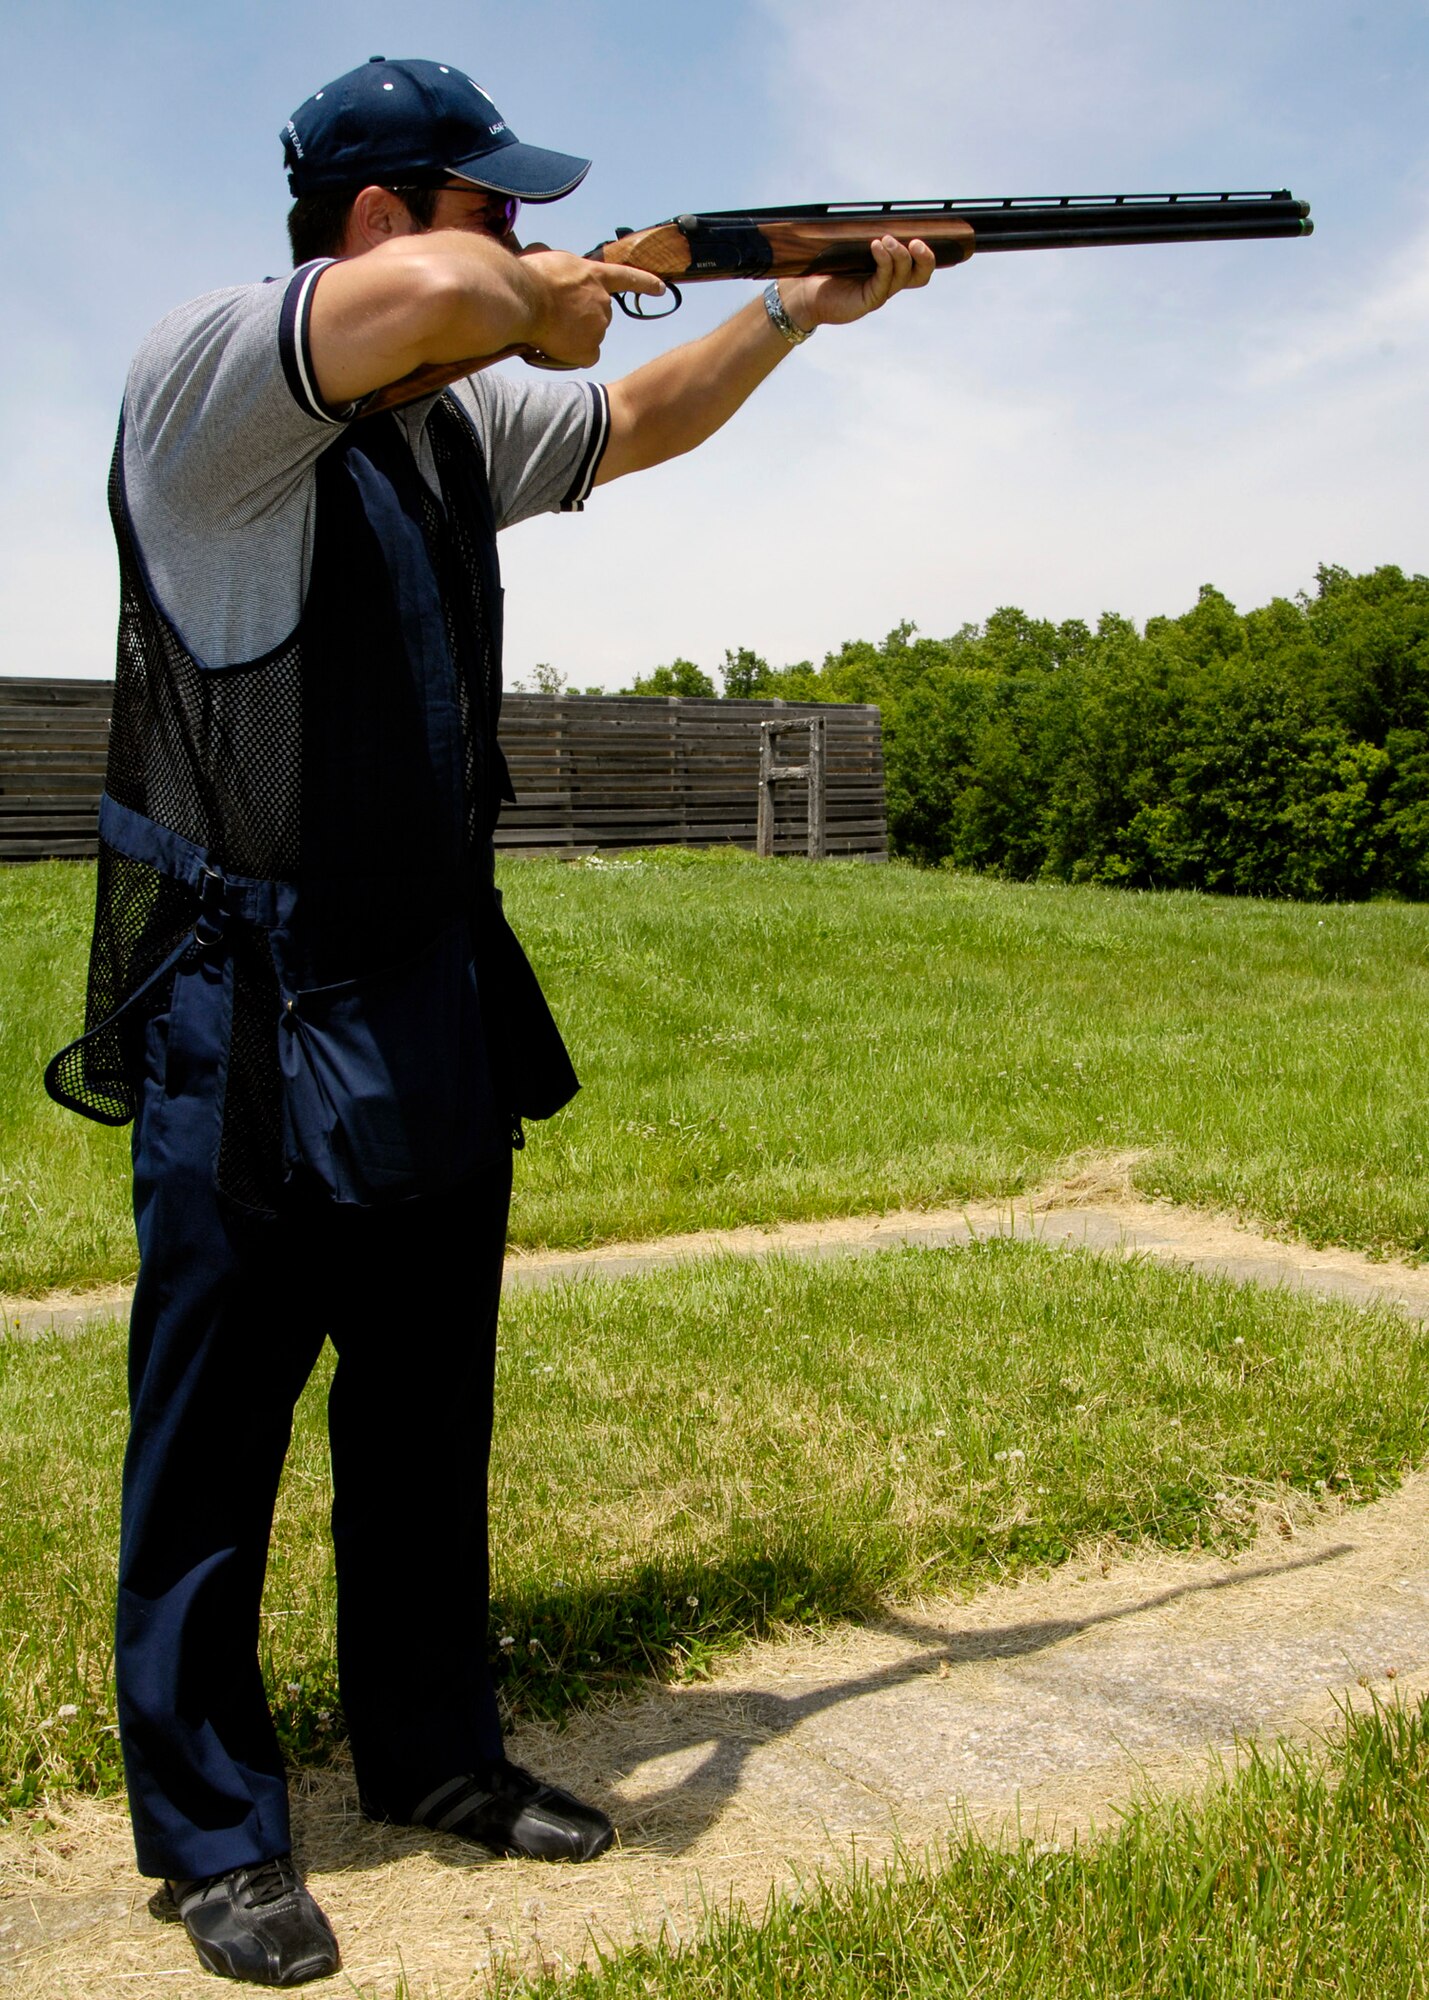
(386,1086)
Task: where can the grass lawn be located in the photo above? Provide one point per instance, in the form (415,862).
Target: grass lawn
(698,1455)
(768,1040)
(1299,1877)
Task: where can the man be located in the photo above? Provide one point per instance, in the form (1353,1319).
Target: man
(302,988)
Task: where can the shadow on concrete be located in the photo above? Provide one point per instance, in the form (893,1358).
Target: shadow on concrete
(734,1722)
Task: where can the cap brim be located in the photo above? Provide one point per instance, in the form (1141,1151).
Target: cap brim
(529,172)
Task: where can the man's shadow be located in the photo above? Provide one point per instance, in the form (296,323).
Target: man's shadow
(672,1819)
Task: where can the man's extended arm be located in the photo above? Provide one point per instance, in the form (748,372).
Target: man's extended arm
(679,399)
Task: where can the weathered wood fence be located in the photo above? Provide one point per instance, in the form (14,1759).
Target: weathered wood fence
(591,772)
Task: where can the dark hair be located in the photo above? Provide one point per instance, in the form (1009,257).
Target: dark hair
(317,223)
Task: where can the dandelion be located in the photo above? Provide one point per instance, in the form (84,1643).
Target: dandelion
(67,1709)
(292,1687)
(506,1642)
(1012,1457)
(693,1602)
(1239,1340)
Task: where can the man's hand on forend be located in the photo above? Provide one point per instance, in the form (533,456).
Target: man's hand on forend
(832,301)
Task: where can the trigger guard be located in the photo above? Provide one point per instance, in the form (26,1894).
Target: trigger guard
(637,311)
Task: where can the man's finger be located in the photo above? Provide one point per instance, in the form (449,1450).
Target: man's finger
(879,288)
(628,278)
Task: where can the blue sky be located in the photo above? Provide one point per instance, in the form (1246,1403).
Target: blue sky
(1066,432)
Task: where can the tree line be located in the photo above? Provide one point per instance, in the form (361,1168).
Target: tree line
(1276,752)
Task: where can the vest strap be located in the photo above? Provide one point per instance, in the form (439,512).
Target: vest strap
(221,895)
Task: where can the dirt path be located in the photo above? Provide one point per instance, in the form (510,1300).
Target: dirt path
(1056,1700)
(1094,1209)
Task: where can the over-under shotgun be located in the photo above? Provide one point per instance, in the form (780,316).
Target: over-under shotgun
(833,236)
(829,236)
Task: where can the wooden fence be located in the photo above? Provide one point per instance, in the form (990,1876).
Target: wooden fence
(591,772)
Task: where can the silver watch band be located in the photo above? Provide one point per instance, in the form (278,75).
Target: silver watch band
(779,318)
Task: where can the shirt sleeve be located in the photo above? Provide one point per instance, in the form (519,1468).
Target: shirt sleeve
(223,428)
(222,410)
(543,440)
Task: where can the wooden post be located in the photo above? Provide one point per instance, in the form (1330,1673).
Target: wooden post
(764,822)
(817,847)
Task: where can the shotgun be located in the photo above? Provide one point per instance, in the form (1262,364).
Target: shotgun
(833,236)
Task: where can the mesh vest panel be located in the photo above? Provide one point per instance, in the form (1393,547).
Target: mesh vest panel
(319,764)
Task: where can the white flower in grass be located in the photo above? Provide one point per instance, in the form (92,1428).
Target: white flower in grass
(506,1642)
(693,1602)
(66,1709)
(1013,1457)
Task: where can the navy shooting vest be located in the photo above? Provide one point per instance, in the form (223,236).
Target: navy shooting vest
(295,859)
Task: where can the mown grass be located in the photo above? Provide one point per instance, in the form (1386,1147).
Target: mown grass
(767,1040)
(1299,1876)
(696,1456)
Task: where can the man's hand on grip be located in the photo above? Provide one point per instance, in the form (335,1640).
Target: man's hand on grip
(571,301)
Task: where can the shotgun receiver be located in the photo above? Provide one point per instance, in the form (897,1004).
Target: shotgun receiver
(833,236)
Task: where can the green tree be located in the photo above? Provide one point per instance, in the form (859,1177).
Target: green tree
(745,675)
(679,677)
(545,679)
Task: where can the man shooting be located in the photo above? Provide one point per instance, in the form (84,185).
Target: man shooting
(302,988)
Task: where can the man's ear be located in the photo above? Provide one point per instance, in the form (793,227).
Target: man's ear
(376,216)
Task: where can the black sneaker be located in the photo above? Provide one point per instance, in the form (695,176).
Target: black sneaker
(258,1924)
(505,1808)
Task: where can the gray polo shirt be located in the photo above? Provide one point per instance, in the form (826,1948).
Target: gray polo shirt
(222,433)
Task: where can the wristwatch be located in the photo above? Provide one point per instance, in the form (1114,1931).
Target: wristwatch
(779,318)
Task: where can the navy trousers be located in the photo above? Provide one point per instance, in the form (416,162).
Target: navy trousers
(229,1317)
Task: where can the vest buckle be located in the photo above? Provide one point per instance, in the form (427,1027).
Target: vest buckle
(212,920)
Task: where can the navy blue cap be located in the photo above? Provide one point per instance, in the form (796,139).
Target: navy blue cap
(416,121)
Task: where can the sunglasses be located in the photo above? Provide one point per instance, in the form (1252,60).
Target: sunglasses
(501,209)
